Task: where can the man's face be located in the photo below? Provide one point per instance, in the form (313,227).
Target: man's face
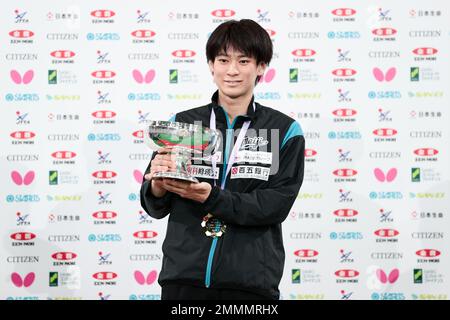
(235,74)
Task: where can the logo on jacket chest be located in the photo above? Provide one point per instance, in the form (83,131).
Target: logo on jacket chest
(253,143)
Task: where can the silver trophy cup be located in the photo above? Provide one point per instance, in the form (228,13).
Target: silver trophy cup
(187,142)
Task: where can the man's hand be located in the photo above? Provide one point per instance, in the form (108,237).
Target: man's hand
(195,191)
(163,161)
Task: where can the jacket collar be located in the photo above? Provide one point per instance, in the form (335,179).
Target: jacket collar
(251,114)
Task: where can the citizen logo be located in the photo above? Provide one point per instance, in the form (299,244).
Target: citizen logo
(63,137)
(62,36)
(385,155)
(143,56)
(64,238)
(23,259)
(21,56)
(384,54)
(306,235)
(427,235)
(303,35)
(182,36)
(145,257)
(425,134)
(424,33)
(386,255)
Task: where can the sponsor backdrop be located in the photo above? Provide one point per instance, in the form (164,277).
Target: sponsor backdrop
(367,81)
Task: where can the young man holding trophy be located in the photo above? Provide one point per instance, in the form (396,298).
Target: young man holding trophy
(224,237)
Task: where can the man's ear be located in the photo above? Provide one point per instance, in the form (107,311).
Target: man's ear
(261,68)
(211,66)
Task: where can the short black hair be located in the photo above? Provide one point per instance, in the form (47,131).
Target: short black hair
(244,35)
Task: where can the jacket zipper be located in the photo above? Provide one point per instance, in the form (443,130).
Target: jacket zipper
(225,160)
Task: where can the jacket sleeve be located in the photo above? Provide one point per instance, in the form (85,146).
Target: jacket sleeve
(268,205)
(157,208)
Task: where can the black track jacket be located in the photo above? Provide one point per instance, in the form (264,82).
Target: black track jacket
(256,200)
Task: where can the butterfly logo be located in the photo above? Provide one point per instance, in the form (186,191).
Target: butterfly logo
(26,282)
(18,180)
(388,76)
(140,78)
(142,280)
(25,79)
(268,77)
(393,276)
(390,176)
(138,176)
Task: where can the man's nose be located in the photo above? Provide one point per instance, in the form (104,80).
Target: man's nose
(233,69)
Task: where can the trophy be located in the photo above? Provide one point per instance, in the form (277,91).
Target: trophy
(186,141)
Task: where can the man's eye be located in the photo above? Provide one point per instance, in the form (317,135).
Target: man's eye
(245,61)
(223,60)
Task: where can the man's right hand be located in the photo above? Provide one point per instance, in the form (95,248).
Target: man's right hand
(163,161)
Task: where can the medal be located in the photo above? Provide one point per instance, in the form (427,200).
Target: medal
(213,227)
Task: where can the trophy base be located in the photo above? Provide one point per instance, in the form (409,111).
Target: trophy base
(175,175)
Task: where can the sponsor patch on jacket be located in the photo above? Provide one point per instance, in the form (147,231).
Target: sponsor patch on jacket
(253,143)
(250,172)
(254,157)
(203,172)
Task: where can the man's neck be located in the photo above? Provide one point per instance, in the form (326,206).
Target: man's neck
(234,107)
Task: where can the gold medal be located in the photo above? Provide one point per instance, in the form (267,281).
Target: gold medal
(213,227)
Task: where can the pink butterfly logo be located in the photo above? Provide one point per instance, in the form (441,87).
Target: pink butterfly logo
(388,76)
(268,77)
(390,176)
(393,276)
(142,280)
(18,79)
(18,282)
(139,77)
(138,176)
(18,180)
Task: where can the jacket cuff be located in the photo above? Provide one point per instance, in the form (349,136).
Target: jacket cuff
(212,199)
(155,202)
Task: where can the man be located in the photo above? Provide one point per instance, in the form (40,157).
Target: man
(224,237)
